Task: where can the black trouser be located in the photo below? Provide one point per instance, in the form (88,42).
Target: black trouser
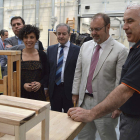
(59,99)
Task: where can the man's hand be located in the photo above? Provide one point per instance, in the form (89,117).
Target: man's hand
(35,86)
(75,99)
(28,87)
(116,113)
(80,115)
(8,46)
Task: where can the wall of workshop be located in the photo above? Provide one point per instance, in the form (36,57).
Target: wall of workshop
(14,8)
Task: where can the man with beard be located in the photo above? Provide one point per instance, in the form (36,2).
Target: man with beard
(97,73)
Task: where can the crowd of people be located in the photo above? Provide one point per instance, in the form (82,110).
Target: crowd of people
(101,78)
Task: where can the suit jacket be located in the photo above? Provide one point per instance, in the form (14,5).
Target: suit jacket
(11,41)
(69,68)
(3,58)
(107,73)
(14,42)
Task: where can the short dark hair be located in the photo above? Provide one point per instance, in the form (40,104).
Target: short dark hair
(105,17)
(63,24)
(27,29)
(2,32)
(18,17)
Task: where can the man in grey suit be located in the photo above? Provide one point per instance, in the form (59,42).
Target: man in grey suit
(97,73)
(17,23)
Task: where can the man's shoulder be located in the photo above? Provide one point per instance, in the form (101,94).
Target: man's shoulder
(52,46)
(73,45)
(89,42)
(11,38)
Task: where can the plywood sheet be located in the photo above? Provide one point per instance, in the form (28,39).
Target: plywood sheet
(61,128)
(29,104)
(14,116)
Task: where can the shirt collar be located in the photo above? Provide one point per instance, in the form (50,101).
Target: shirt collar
(66,45)
(104,43)
(135,46)
(16,37)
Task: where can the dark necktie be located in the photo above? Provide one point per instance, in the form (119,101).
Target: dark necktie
(93,64)
(59,66)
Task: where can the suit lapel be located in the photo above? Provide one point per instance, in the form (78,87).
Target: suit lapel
(103,57)
(70,53)
(54,54)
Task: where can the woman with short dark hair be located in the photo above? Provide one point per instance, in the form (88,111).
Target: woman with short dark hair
(33,65)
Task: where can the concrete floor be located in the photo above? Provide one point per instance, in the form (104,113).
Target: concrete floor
(98,137)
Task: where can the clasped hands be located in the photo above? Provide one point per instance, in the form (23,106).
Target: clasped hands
(33,86)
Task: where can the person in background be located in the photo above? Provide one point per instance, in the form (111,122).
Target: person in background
(14,42)
(98,72)
(61,58)
(33,65)
(4,35)
(126,96)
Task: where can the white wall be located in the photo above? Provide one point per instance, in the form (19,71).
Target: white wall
(14,8)
(110,7)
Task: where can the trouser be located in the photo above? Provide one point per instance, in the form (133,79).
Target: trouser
(105,126)
(129,127)
(59,100)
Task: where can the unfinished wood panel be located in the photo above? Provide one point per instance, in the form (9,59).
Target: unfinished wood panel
(30,104)
(6,128)
(14,116)
(61,128)
(52,38)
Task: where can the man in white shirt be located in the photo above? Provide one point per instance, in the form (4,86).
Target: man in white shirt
(97,73)
(62,58)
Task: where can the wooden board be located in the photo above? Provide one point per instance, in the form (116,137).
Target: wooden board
(9,52)
(61,128)
(37,106)
(14,116)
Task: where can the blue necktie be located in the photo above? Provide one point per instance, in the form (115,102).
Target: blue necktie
(59,66)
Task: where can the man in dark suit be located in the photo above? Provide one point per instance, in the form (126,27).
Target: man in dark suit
(62,59)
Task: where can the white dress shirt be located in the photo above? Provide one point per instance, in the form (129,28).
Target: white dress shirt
(65,50)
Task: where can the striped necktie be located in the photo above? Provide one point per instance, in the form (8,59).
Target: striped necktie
(59,66)
(93,64)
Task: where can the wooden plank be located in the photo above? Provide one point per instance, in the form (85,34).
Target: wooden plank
(18,68)
(1,88)
(15,83)
(9,52)
(61,128)
(5,82)
(29,104)
(1,81)
(10,75)
(14,116)
(6,128)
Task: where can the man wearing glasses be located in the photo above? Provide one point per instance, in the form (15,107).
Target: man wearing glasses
(97,73)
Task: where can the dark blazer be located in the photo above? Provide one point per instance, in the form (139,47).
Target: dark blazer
(69,68)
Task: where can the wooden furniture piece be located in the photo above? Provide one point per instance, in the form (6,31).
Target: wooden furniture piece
(61,128)
(13,56)
(71,23)
(19,115)
(52,38)
(4,85)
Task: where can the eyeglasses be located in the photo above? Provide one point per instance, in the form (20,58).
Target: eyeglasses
(96,29)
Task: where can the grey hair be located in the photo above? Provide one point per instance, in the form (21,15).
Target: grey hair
(134,6)
(63,24)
